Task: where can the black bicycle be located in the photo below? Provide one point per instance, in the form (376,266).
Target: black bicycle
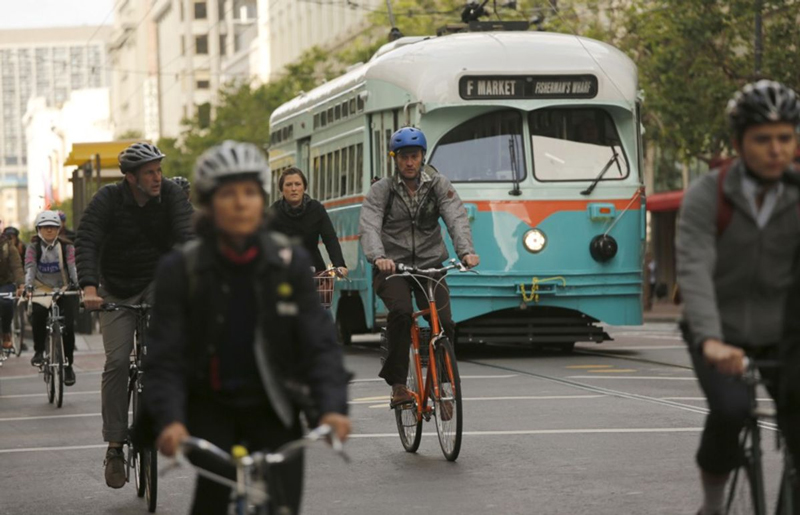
(53,364)
(142,460)
(746,491)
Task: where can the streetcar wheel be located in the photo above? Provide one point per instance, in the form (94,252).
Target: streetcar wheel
(409,423)
(448,407)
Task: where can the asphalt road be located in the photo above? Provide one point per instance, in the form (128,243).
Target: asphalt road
(609,429)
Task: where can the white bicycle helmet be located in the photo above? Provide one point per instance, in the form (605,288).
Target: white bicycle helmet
(47,219)
(230,160)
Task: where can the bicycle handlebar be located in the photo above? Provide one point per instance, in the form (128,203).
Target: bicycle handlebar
(113,306)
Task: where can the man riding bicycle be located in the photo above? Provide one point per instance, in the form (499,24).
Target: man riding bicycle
(125,230)
(400,224)
(738,237)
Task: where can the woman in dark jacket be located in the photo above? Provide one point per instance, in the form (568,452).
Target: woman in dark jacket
(298,215)
(237,331)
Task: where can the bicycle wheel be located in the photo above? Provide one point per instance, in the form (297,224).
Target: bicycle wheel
(148,458)
(57,365)
(409,423)
(448,409)
(135,453)
(16,330)
(789,496)
(48,380)
(743,491)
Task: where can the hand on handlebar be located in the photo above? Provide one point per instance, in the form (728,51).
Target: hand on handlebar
(171,437)
(340,424)
(385,265)
(471,260)
(726,358)
(91,300)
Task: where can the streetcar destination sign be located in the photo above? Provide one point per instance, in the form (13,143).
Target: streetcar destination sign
(527,87)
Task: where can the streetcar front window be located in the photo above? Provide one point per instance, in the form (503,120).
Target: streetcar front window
(484,149)
(575,144)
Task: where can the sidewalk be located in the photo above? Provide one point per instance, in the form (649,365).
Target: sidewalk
(664,312)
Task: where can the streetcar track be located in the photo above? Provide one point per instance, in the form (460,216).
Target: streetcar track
(631,358)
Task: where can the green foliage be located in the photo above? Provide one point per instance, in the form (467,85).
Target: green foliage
(130,134)
(65,206)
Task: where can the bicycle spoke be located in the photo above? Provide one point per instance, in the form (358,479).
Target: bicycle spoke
(409,425)
(448,406)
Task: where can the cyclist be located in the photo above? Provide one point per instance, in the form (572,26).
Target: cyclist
(185,185)
(49,265)
(125,230)
(11,280)
(297,214)
(400,224)
(738,237)
(236,323)
(65,231)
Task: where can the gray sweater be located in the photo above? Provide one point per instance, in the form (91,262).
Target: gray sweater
(410,235)
(734,285)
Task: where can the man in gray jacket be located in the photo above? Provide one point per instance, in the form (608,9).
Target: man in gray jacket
(738,237)
(400,224)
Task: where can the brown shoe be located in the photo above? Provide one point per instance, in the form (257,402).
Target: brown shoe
(445,410)
(115,467)
(7,341)
(400,396)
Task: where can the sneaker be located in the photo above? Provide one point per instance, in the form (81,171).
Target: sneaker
(37,359)
(115,467)
(69,375)
(400,396)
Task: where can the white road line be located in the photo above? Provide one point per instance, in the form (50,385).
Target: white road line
(515,398)
(466,433)
(33,376)
(650,378)
(24,395)
(380,380)
(703,399)
(47,417)
(642,347)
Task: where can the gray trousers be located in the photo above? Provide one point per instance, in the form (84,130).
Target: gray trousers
(118,328)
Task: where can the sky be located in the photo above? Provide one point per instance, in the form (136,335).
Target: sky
(26,14)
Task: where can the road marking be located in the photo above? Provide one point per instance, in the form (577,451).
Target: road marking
(651,378)
(362,400)
(703,399)
(590,366)
(33,376)
(380,380)
(515,398)
(644,347)
(24,395)
(394,435)
(47,417)
(613,371)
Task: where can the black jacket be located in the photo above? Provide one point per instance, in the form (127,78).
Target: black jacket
(297,335)
(308,223)
(119,243)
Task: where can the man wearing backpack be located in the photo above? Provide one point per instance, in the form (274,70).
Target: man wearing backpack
(737,247)
(400,224)
(126,228)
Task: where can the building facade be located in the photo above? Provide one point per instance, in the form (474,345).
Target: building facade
(48,63)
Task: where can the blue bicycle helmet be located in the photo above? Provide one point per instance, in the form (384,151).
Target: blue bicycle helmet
(407,137)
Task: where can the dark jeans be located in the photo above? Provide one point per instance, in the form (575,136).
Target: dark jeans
(396,294)
(6,308)
(729,408)
(39,326)
(257,428)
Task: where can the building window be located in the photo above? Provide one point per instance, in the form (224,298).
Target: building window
(201,45)
(180,4)
(203,84)
(223,42)
(204,115)
(200,12)
(221,9)
(183,44)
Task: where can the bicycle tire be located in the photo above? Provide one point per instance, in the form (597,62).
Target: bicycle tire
(57,360)
(48,380)
(409,423)
(789,495)
(135,461)
(17,328)
(450,431)
(742,490)
(149,458)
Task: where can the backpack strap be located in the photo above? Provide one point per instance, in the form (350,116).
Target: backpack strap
(724,206)
(191,255)
(389,202)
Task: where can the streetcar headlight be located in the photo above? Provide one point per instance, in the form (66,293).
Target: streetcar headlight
(534,240)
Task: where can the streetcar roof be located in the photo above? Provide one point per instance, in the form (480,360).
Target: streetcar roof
(429,68)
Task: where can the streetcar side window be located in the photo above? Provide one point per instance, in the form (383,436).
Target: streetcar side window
(576,144)
(487,148)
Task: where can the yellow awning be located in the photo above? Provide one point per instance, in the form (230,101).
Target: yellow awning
(108,150)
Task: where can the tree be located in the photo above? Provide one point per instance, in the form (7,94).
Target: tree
(694,54)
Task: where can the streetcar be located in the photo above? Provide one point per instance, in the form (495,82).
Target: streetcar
(540,134)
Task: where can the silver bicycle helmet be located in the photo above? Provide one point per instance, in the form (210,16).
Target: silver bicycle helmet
(764,101)
(137,155)
(229,160)
(47,219)
(183,182)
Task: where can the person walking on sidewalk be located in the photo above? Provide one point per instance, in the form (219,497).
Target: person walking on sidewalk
(11,280)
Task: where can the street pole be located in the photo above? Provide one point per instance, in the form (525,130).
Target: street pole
(759,45)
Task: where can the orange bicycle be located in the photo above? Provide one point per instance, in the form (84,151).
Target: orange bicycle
(442,385)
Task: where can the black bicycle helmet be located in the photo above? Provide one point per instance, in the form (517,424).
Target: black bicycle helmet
(13,231)
(183,182)
(138,154)
(764,101)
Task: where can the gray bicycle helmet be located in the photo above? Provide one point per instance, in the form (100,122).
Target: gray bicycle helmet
(183,182)
(137,155)
(764,101)
(230,160)
(47,219)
